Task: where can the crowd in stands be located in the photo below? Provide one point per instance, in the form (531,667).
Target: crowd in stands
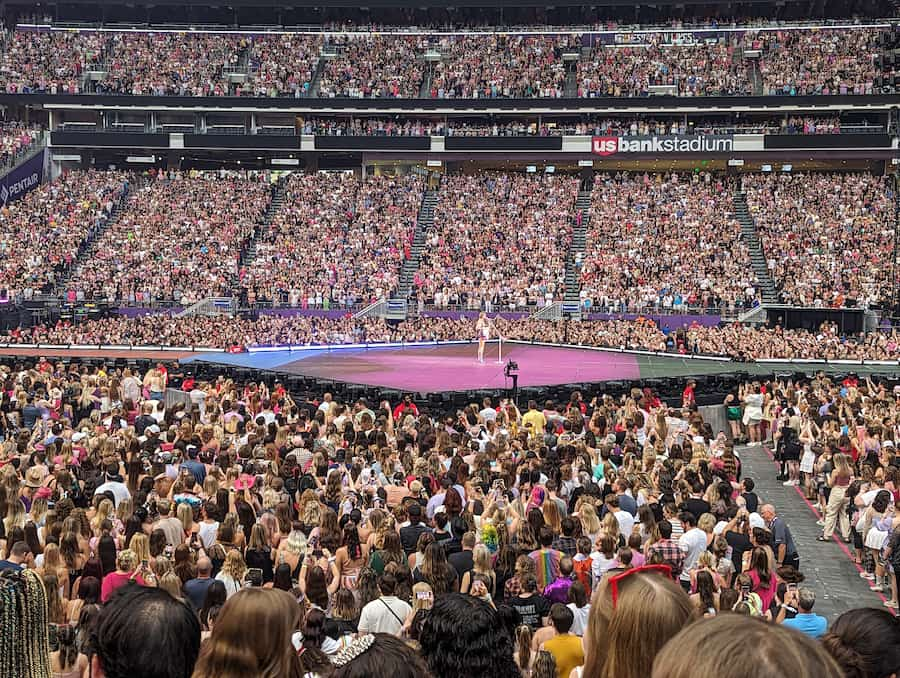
(387,127)
(498,238)
(375,66)
(249,531)
(736,341)
(190,228)
(817,62)
(42,234)
(16,140)
(169,63)
(336,239)
(667,241)
(281,65)
(792,62)
(371,127)
(689,70)
(500,66)
(47,62)
(828,238)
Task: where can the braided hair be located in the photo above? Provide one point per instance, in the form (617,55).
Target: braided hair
(24,643)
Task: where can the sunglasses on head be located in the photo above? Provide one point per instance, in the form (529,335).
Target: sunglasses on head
(664,570)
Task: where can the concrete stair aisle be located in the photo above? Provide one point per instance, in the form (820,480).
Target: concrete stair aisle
(425,88)
(326,53)
(756,81)
(750,235)
(424,222)
(89,246)
(575,256)
(248,249)
(571,87)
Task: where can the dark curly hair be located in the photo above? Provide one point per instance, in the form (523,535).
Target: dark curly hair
(464,636)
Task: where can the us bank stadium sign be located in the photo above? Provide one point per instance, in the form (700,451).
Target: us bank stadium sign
(700,143)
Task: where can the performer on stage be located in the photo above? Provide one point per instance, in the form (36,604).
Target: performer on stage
(483,330)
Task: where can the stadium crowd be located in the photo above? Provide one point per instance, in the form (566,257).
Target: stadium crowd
(47,62)
(336,239)
(42,234)
(822,61)
(281,65)
(828,238)
(168,63)
(189,228)
(497,238)
(16,140)
(659,242)
(690,70)
(375,66)
(817,62)
(591,537)
(736,341)
(498,66)
(387,127)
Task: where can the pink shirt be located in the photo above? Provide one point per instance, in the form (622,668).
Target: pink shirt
(115,580)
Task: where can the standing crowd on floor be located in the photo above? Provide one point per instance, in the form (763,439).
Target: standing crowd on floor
(246,532)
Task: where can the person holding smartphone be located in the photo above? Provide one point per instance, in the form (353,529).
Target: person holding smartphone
(127,570)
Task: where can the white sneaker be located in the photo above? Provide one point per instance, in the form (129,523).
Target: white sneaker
(867,575)
(820,523)
(788,483)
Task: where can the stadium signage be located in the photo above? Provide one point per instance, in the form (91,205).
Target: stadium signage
(22,179)
(700,143)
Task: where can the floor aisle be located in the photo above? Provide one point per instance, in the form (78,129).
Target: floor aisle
(828,567)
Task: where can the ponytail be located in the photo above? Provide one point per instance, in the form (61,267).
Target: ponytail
(523,646)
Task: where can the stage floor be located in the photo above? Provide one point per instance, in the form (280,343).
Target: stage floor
(452,366)
(448,367)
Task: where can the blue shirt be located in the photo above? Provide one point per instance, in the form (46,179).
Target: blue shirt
(813,625)
(197,470)
(195,591)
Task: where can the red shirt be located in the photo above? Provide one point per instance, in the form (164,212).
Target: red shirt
(403,409)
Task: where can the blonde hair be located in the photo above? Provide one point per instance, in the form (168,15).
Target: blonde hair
(842,464)
(709,648)
(234,565)
(706,559)
(622,641)
(590,523)
(104,511)
(610,525)
(422,603)
(171,582)
(125,509)
(481,559)
(551,515)
(186,515)
(140,546)
(707,522)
